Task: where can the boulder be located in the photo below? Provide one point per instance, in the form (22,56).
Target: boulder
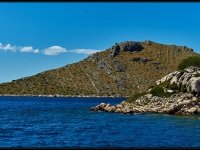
(186,79)
(132,46)
(149,96)
(194,85)
(112,108)
(170,91)
(116,50)
(192,110)
(119,106)
(93,108)
(175,78)
(126,109)
(165,110)
(165,78)
(191,69)
(118,110)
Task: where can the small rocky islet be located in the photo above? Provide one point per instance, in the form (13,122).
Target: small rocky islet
(177,93)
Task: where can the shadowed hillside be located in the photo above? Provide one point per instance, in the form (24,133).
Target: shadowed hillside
(121,70)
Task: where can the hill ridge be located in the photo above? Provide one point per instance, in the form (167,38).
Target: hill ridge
(121,70)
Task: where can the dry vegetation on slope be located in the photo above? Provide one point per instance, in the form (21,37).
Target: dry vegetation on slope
(122,70)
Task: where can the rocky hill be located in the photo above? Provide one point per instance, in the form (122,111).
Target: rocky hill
(122,70)
(176,93)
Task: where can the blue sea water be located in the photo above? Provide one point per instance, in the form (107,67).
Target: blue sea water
(68,122)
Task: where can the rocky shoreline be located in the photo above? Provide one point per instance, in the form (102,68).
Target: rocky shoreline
(176,93)
(179,104)
(57,95)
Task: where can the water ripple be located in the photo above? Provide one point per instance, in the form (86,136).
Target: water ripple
(67,122)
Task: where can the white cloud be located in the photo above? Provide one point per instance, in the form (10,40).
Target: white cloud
(36,51)
(54,50)
(1,46)
(8,47)
(84,51)
(28,49)
(14,48)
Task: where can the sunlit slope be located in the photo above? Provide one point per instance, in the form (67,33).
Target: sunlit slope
(121,70)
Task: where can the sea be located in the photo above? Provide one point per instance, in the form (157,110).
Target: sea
(53,122)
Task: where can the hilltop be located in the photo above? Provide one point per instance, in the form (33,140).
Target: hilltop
(121,70)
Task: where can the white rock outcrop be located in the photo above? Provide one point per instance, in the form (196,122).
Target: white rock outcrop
(179,103)
(189,77)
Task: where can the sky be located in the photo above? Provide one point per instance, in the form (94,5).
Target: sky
(36,37)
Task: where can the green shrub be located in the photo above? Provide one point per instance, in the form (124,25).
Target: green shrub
(166,84)
(157,91)
(190,61)
(135,97)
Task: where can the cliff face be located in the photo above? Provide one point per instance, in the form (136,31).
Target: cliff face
(121,70)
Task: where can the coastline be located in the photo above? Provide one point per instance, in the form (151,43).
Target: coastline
(177,93)
(61,96)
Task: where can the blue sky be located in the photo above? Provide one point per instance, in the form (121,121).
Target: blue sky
(35,37)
